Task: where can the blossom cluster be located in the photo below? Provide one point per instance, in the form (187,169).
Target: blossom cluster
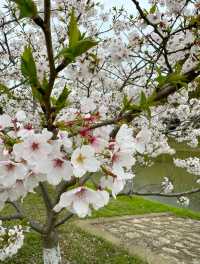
(167,185)
(35,156)
(192,165)
(183,201)
(11,240)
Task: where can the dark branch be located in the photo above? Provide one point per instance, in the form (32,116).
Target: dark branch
(37,227)
(65,219)
(11,217)
(179,194)
(46,197)
(142,14)
(49,45)
(163,92)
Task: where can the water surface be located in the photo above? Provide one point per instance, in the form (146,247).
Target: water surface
(149,179)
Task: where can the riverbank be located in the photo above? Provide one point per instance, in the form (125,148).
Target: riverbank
(82,248)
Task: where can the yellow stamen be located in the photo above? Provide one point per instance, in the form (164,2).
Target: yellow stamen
(80,159)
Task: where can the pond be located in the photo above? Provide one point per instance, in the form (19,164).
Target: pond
(149,179)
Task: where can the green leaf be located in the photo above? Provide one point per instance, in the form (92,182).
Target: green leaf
(29,71)
(145,104)
(151,98)
(73,31)
(78,49)
(153,9)
(175,78)
(135,107)
(78,43)
(9,141)
(194,21)
(148,110)
(128,105)
(161,79)
(45,84)
(53,100)
(143,99)
(126,102)
(27,8)
(62,99)
(28,66)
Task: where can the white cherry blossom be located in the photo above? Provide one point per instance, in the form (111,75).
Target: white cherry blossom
(79,200)
(123,158)
(56,169)
(5,121)
(183,201)
(34,147)
(87,105)
(20,116)
(154,18)
(83,160)
(65,140)
(116,180)
(124,138)
(142,139)
(11,171)
(167,185)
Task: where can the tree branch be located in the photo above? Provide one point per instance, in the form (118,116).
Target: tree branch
(39,21)
(45,25)
(37,227)
(142,14)
(66,218)
(16,216)
(16,206)
(63,187)
(169,88)
(179,194)
(63,65)
(21,216)
(163,92)
(49,45)
(46,197)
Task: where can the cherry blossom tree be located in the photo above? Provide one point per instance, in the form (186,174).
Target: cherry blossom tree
(86,95)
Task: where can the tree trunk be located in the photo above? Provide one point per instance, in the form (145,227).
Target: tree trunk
(51,249)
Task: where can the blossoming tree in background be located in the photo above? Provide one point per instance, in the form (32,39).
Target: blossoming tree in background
(87,95)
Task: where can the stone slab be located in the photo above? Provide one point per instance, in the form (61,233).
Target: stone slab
(156,238)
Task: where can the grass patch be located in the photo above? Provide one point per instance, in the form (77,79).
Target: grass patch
(30,253)
(83,248)
(80,247)
(77,246)
(124,205)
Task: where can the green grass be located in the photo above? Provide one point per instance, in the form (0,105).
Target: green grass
(80,247)
(76,246)
(137,205)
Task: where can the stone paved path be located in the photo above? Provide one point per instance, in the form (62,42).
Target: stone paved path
(157,238)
